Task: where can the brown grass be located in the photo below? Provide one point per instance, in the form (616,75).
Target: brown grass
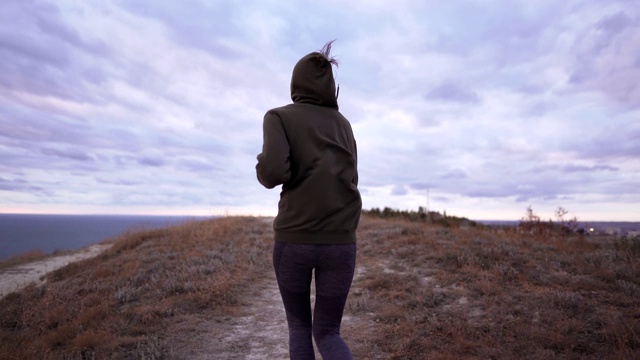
(120,304)
(428,292)
(421,292)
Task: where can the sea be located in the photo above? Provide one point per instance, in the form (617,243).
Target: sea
(20,233)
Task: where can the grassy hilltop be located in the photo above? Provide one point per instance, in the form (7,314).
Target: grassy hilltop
(422,290)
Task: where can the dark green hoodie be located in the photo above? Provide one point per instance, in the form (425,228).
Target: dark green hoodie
(309,148)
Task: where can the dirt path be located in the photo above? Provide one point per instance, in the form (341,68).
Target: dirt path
(263,334)
(258,331)
(18,277)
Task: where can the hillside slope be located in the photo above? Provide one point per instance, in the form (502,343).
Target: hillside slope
(206,290)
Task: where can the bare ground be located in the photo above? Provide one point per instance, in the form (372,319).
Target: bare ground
(258,331)
(18,277)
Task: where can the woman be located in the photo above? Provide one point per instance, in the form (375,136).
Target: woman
(309,148)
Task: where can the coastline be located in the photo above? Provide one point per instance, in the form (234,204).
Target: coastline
(21,233)
(20,276)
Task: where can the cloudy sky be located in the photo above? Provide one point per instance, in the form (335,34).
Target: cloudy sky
(476,108)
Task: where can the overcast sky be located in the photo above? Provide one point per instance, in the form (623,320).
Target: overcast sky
(476,108)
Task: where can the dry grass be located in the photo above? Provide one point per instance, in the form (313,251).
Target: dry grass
(120,304)
(429,292)
(421,292)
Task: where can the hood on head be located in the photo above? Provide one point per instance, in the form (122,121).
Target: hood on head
(312,81)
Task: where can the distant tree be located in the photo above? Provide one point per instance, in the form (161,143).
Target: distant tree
(432,217)
(563,227)
(530,216)
(388,212)
(567,226)
(560,213)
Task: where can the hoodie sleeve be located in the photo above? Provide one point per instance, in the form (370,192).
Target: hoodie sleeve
(273,163)
(354,181)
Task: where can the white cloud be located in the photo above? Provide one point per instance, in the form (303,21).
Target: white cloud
(140,106)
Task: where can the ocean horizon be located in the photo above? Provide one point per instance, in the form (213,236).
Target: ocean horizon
(20,233)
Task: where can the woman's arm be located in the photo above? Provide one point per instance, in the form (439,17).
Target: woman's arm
(273,163)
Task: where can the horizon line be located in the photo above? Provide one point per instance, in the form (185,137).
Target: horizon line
(226,214)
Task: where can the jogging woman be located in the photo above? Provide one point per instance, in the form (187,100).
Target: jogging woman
(310,150)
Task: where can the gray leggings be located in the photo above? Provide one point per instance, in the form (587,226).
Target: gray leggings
(334,266)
